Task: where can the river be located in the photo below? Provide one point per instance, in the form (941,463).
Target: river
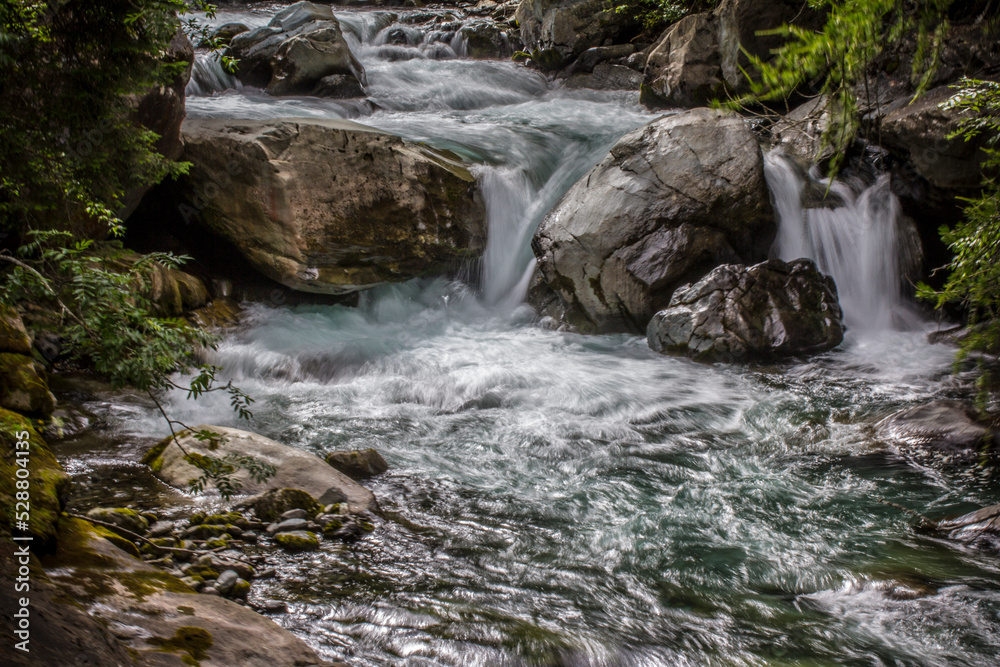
(564,499)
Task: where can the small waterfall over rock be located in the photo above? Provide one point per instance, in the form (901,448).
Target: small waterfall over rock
(854,233)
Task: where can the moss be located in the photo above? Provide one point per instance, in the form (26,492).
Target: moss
(152,457)
(23,387)
(272,504)
(122,543)
(49,483)
(547,59)
(99,575)
(298,540)
(217,543)
(240,590)
(333,527)
(228,518)
(196,518)
(193,641)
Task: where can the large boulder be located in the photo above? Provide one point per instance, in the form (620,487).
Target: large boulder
(302,62)
(684,68)
(703,56)
(949,427)
(919,131)
(301,46)
(557,31)
(771,310)
(294,468)
(670,202)
(331,206)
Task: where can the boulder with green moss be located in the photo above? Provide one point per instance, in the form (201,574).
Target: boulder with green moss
(161,620)
(298,540)
(294,468)
(13,335)
(120,517)
(48,482)
(22,386)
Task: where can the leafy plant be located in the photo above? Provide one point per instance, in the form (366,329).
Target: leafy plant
(655,15)
(974,273)
(70,72)
(835,61)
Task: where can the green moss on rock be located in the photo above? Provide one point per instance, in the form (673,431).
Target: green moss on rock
(13,335)
(23,387)
(272,504)
(193,641)
(48,482)
(298,540)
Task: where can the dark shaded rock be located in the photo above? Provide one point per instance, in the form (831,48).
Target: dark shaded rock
(359,463)
(607,77)
(339,86)
(301,63)
(299,540)
(225,33)
(951,427)
(670,202)
(121,517)
(771,310)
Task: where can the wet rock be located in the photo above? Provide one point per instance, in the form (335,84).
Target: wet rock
(301,63)
(218,314)
(950,427)
(671,201)
(240,590)
(986,520)
(606,77)
(224,34)
(13,335)
(287,526)
(298,540)
(121,517)
(557,31)
(295,514)
(23,387)
(359,463)
(66,422)
(331,206)
(272,504)
(338,86)
(161,528)
(272,606)
(224,584)
(774,309)
(204,531)
(294,468)
(800,132)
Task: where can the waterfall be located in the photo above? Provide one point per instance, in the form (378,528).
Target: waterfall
(855,234)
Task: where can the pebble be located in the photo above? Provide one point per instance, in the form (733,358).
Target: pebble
(161,529)
(286,526)
(295,514)
(226,581)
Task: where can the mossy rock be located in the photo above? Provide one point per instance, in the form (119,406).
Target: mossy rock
(23,387)
(219,314)
(153,546)
(240,590)
(298,540)
(332,527)
(122,517)
(228,518)
(13,335)
(119,541)
(49,483)
(191,640)
(548,59)
(270,505)
(217,543)
(205,531)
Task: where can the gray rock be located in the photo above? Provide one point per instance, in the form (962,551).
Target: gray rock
(226,581)
(294,468)
(210,590)
(121,517)
(359,463)
(671,201)
(287,526)
(331,206)
(986,519)
(557,31)
(766,311)
(301,63)
(295,514)
(338,86)
(606,76)
(951,427)
(684,68)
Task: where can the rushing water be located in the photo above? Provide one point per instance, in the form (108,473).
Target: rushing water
(557,498)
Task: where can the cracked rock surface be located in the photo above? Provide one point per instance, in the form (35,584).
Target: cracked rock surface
(670,202)
(773,309)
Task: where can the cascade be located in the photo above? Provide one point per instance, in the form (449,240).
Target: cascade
(855,234)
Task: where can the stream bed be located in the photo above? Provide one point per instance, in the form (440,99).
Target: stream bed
(580,500)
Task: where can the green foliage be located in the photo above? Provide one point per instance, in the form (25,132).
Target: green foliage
(974,273)
(835,61)
(71,149)
(655,15)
